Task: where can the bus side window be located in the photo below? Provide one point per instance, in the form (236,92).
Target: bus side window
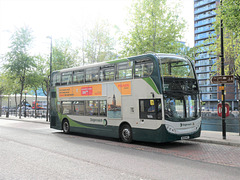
(92,74)
(103,108)
(92,108)
(66,107)
(78,108)
(56,79)
(150,109)
(143,68)
(107,73)
(124,70)
(66,78)
(78,77)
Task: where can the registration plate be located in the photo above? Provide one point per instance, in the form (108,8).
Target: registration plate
(185,137)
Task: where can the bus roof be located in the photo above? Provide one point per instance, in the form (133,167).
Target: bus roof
(118,60)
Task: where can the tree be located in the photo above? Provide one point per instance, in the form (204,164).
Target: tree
(35,79)
(230,13)
(231,37)
(99,45)
(19,62)
(153,27)
(9,86)
(63,55)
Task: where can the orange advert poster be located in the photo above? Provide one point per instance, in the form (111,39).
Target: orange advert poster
(80,91)
(124,87)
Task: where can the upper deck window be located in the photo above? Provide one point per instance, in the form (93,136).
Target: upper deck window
(78,77)
(107,73)
(92,74)
(143,68)
(66,78)
(176,67)
(56,79)
(124,70)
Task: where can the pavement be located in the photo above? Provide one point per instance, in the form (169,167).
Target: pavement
(214,137)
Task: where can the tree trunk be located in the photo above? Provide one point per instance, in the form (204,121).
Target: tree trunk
(16,103)
(35,104)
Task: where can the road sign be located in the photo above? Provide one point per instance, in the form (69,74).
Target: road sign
(229,79)
(221,88)
(219,109)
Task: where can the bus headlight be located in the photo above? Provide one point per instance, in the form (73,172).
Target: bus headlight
(170,129)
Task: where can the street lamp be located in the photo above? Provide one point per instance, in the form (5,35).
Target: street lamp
(25,92)
(50,37)
(50,79)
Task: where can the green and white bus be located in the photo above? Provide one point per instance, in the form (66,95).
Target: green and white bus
(151,97)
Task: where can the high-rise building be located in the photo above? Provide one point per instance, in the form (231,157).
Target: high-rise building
(204,16)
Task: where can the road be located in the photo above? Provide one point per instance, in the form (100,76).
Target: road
(31,150)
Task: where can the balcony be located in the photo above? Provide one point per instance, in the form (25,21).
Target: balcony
(204,35)
(205,15)
(205,8)
(203,29)
(205,42)
(201,3)
(204,22)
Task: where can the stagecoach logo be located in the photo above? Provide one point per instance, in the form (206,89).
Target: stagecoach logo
(186,124)
(103,121)
(95,120)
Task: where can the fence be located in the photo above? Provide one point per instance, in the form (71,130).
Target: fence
(29,113)
(211,121)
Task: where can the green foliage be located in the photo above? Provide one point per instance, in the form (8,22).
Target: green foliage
(64,56)
(19,63)
(153,27)
(230,13)
(99,45)
(231,37)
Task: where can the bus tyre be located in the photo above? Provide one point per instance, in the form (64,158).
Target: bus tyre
(126,133)
(66,126)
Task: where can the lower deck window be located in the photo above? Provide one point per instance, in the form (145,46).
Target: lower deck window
(78,108)
(92,108)
(67,107)
(150,108)
(83,108)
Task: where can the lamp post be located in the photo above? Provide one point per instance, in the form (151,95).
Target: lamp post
(7,113)
(222,73)
(50,37)
(25,92)
(50,76)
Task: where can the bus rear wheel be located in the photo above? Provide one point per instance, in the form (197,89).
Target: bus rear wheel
(126,133)
(66,126)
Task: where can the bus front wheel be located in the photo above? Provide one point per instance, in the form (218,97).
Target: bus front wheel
(66,126)
(126,133)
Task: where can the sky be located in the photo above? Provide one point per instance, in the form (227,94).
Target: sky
(65,18)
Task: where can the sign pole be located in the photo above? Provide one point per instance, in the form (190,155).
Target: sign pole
(222,73)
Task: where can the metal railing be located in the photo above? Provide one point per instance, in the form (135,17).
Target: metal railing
(214,123)
(29,113)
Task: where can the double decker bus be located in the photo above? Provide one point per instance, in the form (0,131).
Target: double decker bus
(151,97)
(39,105)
